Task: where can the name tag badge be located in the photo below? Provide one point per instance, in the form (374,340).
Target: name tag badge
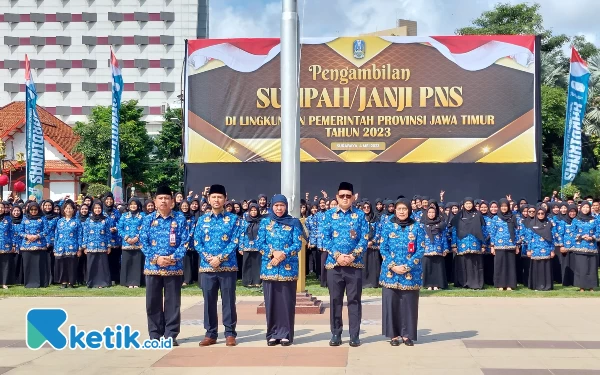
(411,247)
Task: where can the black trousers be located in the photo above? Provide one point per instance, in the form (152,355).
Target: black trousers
(349,280)
(280,306)
(114,263)
(323,278)
(211,283)
(164,315)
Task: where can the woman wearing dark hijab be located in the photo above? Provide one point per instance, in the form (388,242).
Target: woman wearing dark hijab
(378,208)
(436,248)
(237,209)
(468,235)
(568,234)
(402,249)
(132,258)
(34,249)
(228,206)
(67,246)
(149,207)
(279,241)
(114,257)
(16,216)
(372,260)
(51,218)
(503,244)
(523,261)
(82,215)
(323,253)
(540,237)
(488,258)
(195,206)
(583,254)
(190,259)
(7,253)
(312,249)
(249,246)
(96,242)
(453,208)
(262,205)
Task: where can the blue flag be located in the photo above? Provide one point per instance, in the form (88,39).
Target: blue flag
(34,139)
(576,102)
(116,180)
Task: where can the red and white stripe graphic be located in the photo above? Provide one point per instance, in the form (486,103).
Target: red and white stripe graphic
(470,52)
(578,65)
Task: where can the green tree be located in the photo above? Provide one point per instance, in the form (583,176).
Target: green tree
(554,102)
(167,162)
(95,144)
(517,19)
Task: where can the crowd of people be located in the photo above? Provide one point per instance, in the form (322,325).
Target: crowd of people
(400,245)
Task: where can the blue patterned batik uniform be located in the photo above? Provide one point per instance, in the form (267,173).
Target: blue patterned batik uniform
(438,245)
(6,233)
(539,247)
(244,240)
(394,252)
(311,225)
(51,230)
(96,235)
(273,236)
(129,227)
(470,244)
(319,222)
(500,235)
(338,239)
(67,237)
(217,236)
(35,227)
(155,238)
(582,228)
(114,238)
(487,239)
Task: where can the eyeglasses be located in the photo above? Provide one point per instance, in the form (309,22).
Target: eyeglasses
(541,213)
(345,196)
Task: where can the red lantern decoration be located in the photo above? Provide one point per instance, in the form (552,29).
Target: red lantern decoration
(19,187)
(3,180)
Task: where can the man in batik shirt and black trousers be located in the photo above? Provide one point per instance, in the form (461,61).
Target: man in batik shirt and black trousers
(345,238)
(164,237)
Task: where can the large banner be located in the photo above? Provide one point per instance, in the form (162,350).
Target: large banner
(116,179)
(576,102)
(452,99)
(34,139)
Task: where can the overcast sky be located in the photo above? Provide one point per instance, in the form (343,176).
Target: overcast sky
(260,18)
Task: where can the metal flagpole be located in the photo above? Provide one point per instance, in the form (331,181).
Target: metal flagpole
(290,116)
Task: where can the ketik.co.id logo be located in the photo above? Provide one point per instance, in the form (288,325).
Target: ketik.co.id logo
(43,325)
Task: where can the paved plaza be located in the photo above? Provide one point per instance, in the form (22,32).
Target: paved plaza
(462,336)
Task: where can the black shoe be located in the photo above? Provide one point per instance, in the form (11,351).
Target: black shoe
(408,342)
(286,343)
(354,342)
(175,343)
(395,342)
(336,340)
(272,342)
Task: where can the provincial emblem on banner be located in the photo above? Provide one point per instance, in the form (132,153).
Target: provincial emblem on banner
(358,48)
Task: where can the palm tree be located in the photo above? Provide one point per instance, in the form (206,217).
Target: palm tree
(553,72)
(591,122)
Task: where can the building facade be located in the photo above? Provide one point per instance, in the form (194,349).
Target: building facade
(68,43)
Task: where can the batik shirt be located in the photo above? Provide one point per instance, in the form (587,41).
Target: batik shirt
(51,229)
(129,227)
(345,233)
(96,235)
(487,240)
(581,228)
(394,251)
(500,235)
(33,227)
(114,238)
(67,237)
(244,240)
(217,236)
(470,244)
(6,235)
(273,236)
(539,247)
(319,222)
(313,232)
(438,246)
(155,238)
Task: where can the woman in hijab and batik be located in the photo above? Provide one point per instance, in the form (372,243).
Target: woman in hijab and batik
(51,218)
(583,253)
(488,258)
(96,245)
(33,234)
(249,246)
(402,248)
(16,216)
(82,216)
(67,246)
(7,252)
(541,237)
(279,240)
(372,259)
(436,248)
(468,236)
(263,209)
(453,208)
(568,234)
(132,258)
(503,245)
